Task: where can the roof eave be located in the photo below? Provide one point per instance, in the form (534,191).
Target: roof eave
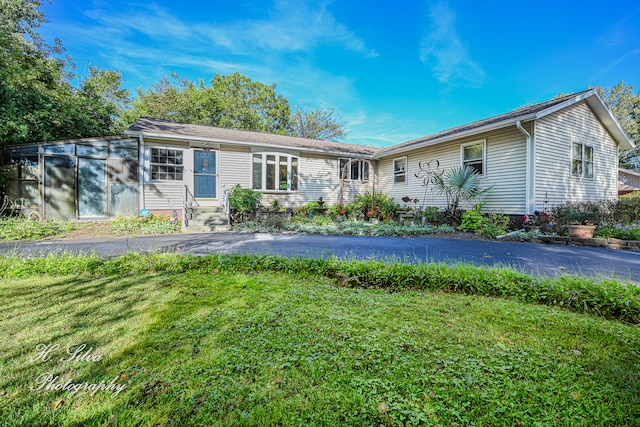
(170,137)
(603,112)
(452,137)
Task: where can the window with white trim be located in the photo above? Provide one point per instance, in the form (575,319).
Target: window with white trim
(357,171)
(166,164)
(582,160)
(473,155)
(400,170)
(275,172)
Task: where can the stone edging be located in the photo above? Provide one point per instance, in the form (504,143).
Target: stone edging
(609,242)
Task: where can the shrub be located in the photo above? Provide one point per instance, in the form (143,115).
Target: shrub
(627,210)
(382,203)
(305,210)
(579,212)
(492,225)
(244,200)
(496,224)
(620,231)
(472,220)
(431,213)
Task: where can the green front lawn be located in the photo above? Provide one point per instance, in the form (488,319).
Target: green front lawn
(221,347)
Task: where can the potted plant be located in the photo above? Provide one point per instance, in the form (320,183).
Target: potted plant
(581,225)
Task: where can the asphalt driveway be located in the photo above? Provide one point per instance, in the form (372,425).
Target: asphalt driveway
(536,259)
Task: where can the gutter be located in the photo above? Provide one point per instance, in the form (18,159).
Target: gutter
(168,137)
(401,148)
(529,168)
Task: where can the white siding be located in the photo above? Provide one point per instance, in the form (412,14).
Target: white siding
(505,171)
(234,167)
(318,177)
(554,135)
(163,195)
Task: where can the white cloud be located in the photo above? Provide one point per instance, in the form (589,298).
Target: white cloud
(442,49)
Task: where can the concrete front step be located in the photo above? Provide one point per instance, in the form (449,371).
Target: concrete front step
(211,221)
(206,229)
(206,220)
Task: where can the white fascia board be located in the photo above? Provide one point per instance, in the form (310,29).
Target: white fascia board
(602,111)
(448,138)
(565,104)
(249,144)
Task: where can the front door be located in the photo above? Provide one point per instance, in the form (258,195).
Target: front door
(206,174)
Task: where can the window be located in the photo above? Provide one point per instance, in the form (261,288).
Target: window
(166,164)
(400,170)
(22,166)
(357,171)
(582,160)
(274,172)
(473,156)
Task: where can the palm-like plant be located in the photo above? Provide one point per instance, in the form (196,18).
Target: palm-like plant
(460,183)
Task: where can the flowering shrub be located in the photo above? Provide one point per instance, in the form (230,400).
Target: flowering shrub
(374,212)
(538,219)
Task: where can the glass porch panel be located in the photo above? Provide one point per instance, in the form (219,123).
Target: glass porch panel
(123,200)
(59,187)
(92,188)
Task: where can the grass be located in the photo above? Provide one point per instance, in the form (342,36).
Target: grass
(206,342)
(25,229)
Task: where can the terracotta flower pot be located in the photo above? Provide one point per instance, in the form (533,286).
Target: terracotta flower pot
(581,231)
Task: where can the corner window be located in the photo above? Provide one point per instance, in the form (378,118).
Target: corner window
(473,155)
(166,164)
(400,170)
(357,171)
(582,160)
(277,172)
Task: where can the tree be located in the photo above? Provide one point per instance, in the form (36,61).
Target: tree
(250,105)
(626,107)
(37,101)
(233,101)
(322,123)
(103,89)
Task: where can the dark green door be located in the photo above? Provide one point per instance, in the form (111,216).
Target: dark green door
(206,174)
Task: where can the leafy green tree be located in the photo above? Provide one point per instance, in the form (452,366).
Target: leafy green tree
(322,123)
(626,107)
(37,101)
(250,105)
(233,101)
(103,89)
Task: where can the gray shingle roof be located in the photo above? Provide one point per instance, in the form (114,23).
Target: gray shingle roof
(150,127)
(513,115)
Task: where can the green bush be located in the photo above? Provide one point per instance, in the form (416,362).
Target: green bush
(244,200)
(496,224)
(619,231)
(472,220)
(627,210)
(580,212)
(305,210)
(492,225)
(382,203)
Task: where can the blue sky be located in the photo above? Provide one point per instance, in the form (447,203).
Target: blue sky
(394,70)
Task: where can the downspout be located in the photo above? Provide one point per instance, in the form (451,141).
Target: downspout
(529,173)
(142,161)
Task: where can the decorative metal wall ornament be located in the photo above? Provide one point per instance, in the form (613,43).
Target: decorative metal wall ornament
(428,173)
